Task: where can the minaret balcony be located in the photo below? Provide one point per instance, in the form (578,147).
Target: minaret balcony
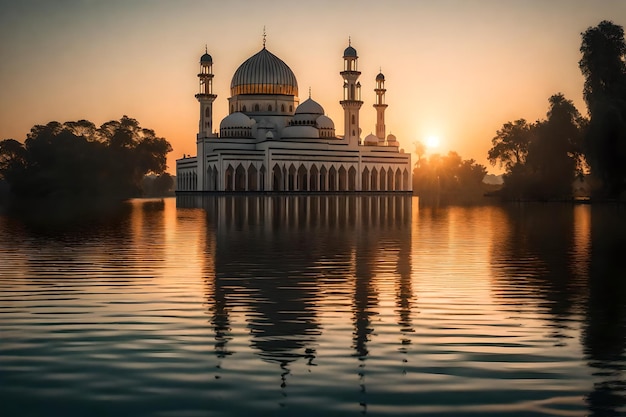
(350,73)
(351,103)
(201,96)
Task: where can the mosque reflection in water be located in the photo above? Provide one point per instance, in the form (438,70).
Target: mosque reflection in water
(282,258)
(306,271)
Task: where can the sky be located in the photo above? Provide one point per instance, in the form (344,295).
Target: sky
(454,69)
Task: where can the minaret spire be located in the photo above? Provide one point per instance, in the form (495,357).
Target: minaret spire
(380,106)
(351,102)
(205,98)
(264,37)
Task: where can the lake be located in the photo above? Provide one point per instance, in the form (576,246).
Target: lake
(313,305)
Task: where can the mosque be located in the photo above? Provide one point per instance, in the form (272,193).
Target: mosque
(271,142)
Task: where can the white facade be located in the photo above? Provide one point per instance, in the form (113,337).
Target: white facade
(270,142)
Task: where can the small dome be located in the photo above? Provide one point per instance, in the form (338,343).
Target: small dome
(206,59)
(309,106)
(301,132)
(350,52)
(325,122)
(236,120)
(391,138)
(269,135)
(371,139)
(380,77)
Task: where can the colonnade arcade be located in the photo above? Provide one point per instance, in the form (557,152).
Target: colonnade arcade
(288,176)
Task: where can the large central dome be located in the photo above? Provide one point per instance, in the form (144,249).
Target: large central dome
(264,73)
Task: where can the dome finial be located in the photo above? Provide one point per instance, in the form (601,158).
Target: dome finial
(309,91)
(206,48)
(264,37)
(349,40)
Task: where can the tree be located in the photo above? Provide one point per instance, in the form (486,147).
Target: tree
(510,145)
(553,157)
(603,65)
(449,175)
(74,159)
(543,158)
(420,151)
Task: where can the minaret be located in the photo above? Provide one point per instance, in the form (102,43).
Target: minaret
(351,102)
(205,130)
(206,96)
(380,106)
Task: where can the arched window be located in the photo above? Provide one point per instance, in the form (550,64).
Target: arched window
(282,108)
(353,119)
(269,108)
(243,109)
(207,112)
(256,107)
(290,108)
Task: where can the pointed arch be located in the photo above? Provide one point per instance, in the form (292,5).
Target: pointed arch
(405,180)
(228,178)
(291,178)
(374,180)
(383,180)
(240,178)
(398,180)
(314,178)
(332,179)
(352,179)
(302,184)
(277,178)
(252,178)
(389,179)
(365,180)
(262,175)
(343,179)
(323,179)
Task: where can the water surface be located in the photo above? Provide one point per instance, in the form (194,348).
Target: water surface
(313,305)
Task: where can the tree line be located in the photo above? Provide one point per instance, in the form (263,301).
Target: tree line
(76,159)
(447,176)
(543,159)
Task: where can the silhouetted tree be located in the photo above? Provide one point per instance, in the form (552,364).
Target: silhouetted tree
(603,66)
(542,158)
(510,145)
(554,156)
(12,159)
(74,159)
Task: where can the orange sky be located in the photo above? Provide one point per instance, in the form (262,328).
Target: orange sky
(454,69)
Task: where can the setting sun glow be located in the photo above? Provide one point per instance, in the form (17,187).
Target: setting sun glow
(432,142)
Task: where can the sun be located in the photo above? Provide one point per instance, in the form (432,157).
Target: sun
(432,142)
